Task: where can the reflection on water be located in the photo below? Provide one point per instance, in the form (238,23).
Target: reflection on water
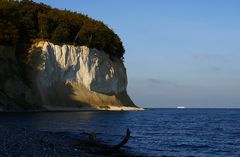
(97,121)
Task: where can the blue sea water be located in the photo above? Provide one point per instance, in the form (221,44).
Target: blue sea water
(155,132)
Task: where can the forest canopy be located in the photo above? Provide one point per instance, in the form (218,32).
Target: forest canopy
(26,20)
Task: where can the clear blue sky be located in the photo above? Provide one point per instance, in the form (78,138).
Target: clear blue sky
(178,52)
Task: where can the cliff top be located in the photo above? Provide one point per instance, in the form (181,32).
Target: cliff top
(22,22)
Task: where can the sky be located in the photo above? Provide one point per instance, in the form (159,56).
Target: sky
(178,53)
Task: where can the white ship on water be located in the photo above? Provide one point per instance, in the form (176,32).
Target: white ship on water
(180,107)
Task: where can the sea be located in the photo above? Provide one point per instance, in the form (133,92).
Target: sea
(154,132)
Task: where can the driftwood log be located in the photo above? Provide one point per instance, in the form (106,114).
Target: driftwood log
(93,139)
(124,141)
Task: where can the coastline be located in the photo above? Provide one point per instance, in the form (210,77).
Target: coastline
(26,142)
(75,109)
(122,108)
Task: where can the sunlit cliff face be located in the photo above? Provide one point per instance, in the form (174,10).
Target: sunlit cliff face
(92,68)
(81,75)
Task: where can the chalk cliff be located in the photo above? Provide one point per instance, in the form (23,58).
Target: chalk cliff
(67,77)
(40,70)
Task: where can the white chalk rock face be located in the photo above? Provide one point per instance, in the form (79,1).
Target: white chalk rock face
(71,77)
(90,67)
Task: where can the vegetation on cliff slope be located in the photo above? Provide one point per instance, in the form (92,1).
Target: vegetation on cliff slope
(21,22)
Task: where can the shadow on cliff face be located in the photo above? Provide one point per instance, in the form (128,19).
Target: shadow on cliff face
(72,95)
(15,94)
(58,97)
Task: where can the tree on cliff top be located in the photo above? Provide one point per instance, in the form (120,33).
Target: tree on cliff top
(26,20)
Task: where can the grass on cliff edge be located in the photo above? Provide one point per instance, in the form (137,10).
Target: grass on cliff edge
(23,21)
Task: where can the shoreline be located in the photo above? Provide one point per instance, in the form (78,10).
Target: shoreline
(122,108)
(58,109)
(15,141)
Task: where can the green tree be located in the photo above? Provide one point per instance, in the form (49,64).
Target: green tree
(23,21)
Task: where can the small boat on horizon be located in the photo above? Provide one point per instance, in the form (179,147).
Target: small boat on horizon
(180,107)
